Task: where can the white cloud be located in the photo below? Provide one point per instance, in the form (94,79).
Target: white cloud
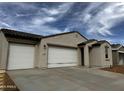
(50,11)
(59,10)
(92,7)
(42,21)
(42,30)
(67,29)
(49,30)
(22,5)
(107,17)
(37,19)
(5,24)
(86,18)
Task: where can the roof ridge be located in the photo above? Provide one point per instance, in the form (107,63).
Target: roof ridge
(64,33)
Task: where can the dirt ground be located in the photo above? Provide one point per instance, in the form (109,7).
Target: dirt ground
(117,69)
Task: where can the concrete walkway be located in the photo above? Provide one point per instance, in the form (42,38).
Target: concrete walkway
(67,79)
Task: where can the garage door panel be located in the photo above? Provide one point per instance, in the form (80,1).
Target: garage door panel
(61,65)
(21,56)
(61,57)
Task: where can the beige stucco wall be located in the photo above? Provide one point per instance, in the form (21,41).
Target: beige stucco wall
(36,57)
(3,51)
(106,62)
(97,56)
(70,40)
(87,54)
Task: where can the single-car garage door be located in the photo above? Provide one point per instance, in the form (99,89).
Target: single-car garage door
(20,56)
(62,57)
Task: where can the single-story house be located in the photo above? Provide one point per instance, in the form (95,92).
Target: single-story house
(20,50)
(96,53)
(118,54)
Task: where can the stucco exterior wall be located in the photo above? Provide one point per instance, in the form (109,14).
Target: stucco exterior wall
(97,56)
(3,51)
(106,62)
(36,57)
(87,54)
(69,40)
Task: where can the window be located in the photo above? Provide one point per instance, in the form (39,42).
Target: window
(106,51)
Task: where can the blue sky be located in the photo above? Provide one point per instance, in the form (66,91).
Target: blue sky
(93,20)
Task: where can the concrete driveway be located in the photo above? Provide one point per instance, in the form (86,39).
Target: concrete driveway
(67,79)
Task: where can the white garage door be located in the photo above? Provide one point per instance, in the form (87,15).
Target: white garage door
(62,57)
(20,56)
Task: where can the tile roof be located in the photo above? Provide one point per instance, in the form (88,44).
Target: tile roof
(64,34)
(116,45)
(101,42)
(18,34)
(86,42)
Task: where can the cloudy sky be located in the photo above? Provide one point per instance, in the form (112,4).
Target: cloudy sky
(93,20)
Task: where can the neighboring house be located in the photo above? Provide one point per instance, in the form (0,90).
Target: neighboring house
(20,50)
(118,54)
(96,53)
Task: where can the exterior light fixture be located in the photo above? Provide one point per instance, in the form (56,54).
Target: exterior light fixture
(44,46)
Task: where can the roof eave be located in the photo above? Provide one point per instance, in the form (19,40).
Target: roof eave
(63,34)
(18,34)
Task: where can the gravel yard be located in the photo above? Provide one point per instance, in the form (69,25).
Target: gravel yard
(117,69)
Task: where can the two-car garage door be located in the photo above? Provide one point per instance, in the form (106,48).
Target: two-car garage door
(21,56)
(62,57)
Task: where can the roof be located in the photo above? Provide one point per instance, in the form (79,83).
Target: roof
(18,34)
(25,35)
(116,46)
(101,42)
(64,34)
(86,42)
